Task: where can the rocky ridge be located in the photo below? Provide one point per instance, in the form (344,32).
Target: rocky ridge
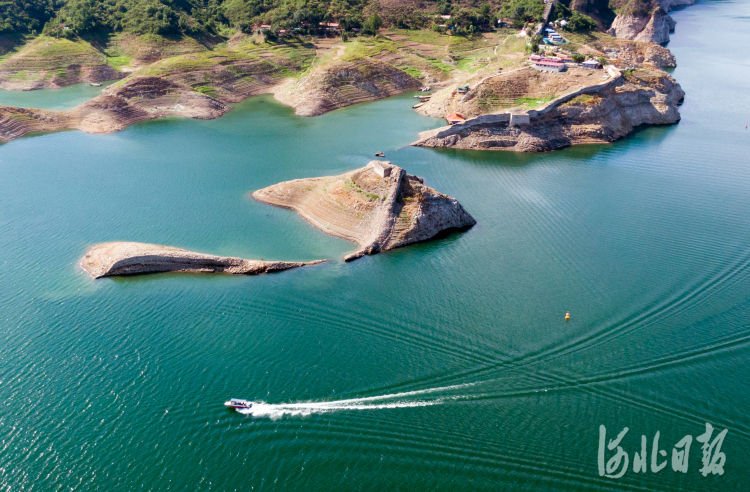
(138,99)
(127,258)
(379,207)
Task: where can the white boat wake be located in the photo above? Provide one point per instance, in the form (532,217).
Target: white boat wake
(277,410)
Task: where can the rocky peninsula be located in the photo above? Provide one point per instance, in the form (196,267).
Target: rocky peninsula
(127,258)
(138,99)
(585,113)
(379,207)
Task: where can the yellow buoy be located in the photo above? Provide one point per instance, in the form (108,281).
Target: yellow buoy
(567,316)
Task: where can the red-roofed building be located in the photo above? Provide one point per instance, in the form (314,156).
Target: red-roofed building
(454,118)
(550,66)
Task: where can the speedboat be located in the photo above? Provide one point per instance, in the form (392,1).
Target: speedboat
(238,404)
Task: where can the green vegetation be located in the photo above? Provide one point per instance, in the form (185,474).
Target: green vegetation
(533,102)
(364,47)
(45,53)
(119,61)
(634,7)
(206,18)
(586,99)
(523,11)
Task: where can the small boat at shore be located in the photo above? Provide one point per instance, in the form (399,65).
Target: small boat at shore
(238,404)
(96,84)
(417,106)
(422,98)
(426,89)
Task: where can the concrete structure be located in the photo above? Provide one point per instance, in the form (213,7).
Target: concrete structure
(519,119)
(382,168)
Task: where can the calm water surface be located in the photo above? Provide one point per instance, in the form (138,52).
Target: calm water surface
(59,99)
(445,365)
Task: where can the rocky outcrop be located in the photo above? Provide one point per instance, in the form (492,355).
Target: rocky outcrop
(125,258)
(598,114)
(649,28)
(139,99)
(379,207)
(632,54)
(343,84)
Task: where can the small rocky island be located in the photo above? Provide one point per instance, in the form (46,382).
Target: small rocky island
(379,207)
(126,258)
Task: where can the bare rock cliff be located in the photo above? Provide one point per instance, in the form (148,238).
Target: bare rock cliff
(651,28)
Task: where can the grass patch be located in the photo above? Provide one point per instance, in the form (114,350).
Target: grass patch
(364,47)
(46,53)
(117,62)
(417,74)
(533,102)
(206,90)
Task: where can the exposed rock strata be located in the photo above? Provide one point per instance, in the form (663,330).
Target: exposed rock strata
(126,258)
(343,84)
(650,28)
(145,98)
(48,79)
(139,99)
(379,207)
(597,114)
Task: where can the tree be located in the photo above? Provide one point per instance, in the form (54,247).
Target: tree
(581,22)
(578,58)
(372,24)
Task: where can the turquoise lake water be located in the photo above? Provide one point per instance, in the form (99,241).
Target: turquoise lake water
(59,99)
(445,365)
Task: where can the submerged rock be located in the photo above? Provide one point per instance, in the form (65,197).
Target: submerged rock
(126,258)
(379,207)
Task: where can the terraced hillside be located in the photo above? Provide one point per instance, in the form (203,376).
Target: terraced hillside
(47,62)
(342,84)
(139,99)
